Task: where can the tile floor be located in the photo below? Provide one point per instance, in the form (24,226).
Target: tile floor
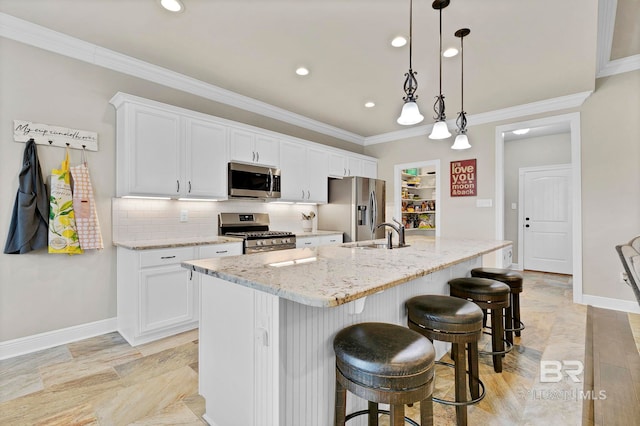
(104,381)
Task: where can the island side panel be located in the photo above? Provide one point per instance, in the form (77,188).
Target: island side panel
(306,347)
(238,354)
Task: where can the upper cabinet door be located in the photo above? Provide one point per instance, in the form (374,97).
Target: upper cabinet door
(337,165)
(317,176)
(206,159)
(369,169)
(154,152)
(250,147)
(293,171)
(354,166)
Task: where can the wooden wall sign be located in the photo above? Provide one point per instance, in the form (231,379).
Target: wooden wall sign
(45,134)
(464,180)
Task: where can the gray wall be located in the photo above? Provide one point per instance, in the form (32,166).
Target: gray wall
(40,292)
(528,152)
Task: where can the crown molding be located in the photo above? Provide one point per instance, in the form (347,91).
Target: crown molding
(619,66)
(53,41)
(606,25)
(539,107)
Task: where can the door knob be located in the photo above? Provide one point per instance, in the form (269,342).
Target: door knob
(527,225)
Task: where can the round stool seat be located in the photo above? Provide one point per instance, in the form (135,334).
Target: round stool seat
(507,276)
(384,355)
(445,313)
(480,287)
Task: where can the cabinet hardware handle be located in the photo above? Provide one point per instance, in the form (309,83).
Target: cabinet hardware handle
(189,187)
(167,257)
(345,172)
(178,183)
(190,275)
(221,251)
(349,172)
(258,156)
(303,194)
(307,243)
(308,194)
(254,155)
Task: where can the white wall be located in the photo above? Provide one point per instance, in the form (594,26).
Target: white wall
(528,152)
(41,292)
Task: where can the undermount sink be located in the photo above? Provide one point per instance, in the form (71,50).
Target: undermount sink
(371,245)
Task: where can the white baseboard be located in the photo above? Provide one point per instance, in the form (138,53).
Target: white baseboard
(613,304)
(37,342)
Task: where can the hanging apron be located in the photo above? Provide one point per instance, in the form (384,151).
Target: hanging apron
(84,207)
(63,237)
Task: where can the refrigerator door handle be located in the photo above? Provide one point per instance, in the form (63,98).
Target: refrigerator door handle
(373,217)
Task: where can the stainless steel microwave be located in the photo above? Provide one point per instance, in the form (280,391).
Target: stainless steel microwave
(253,181)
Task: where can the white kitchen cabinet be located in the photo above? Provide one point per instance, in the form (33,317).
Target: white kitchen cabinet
(148,151)
(162,152)
(219,250)
(343,165)
(156,296)
(318,240)
(304,170)
(206,157)
(252,147)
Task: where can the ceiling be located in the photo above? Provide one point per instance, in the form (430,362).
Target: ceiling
(518,51)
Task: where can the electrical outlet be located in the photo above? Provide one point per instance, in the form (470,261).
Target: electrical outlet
(184,215)
(623,277)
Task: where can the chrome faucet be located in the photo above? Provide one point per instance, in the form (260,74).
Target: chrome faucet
(399,228)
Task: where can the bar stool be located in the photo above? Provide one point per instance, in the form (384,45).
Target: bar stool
(455,320)
(384,363)
(514,281)
(492,296)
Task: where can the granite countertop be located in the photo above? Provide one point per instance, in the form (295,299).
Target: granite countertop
(332,275)
(172,243)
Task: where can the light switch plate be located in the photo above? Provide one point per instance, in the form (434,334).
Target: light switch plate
(514,206)
(484,202)
(184,215)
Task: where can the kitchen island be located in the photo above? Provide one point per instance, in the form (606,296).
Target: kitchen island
(268,320)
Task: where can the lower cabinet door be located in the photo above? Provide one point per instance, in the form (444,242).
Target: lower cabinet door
(166,297)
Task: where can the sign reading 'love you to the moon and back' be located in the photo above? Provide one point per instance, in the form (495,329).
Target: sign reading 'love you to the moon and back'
(464,181)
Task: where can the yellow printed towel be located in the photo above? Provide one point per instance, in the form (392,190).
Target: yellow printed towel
(63,237)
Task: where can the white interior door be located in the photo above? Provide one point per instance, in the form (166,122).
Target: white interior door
(545,193)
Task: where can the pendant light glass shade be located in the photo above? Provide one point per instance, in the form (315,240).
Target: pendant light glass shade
(410,114)
(461,142)
(440,130)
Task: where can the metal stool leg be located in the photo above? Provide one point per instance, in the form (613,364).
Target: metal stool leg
(508,324)
(373,414)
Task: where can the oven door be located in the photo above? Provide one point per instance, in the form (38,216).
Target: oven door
(250,181)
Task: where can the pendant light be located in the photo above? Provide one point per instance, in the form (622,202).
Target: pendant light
(410,113)
(440,130)
(462,141)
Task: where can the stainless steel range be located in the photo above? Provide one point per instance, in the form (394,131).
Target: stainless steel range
(253,228)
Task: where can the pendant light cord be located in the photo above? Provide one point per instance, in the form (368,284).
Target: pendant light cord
(440,52)
(410,32)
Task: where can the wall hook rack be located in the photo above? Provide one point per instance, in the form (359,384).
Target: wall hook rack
(44,134)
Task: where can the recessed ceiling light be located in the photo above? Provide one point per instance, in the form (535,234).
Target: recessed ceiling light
(302,71)
(450,52)
(172,5)
(399,41)
(369,104)
(521,132)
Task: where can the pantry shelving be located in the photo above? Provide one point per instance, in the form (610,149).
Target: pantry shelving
(418,198)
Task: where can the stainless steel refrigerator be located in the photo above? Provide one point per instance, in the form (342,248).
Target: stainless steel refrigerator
(356,207)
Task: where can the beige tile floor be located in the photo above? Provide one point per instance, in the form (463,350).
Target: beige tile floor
(104,381)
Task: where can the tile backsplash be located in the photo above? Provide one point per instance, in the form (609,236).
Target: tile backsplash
(144,219)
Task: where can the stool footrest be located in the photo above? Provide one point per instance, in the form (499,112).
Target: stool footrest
(508,348)
(363,412)
(459,403)
(516,328)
